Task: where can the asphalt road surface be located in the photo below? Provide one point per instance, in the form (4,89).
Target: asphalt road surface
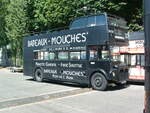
(115,100)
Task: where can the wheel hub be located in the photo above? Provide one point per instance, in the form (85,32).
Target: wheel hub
(98,81)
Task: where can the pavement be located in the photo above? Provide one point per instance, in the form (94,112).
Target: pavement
(20,94)
(128,100)
(16,89)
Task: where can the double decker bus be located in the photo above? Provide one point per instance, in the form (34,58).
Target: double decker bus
(82,54)
(134,56)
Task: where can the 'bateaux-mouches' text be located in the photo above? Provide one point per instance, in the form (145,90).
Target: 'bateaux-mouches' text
(58,40)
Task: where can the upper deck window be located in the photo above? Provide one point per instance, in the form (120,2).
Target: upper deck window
(88,21)
(92,21)
(100,20)
(79,23)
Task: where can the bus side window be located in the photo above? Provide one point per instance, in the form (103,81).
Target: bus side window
(46,56)
(105,54)
(39,55)
(51,56)
(75,55)
(63,55)
(42,55)
(93,54)
(83,55)
(36,55)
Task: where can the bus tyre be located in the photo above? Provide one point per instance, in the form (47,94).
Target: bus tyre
(38,75)
(99,82)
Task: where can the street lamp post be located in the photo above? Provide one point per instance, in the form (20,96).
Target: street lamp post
(147,54)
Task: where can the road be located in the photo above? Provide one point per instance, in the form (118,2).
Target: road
(15,85)
(114,100)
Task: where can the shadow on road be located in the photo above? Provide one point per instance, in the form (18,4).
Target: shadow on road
(136,83)
(111,87)
(114,87)
(61,83)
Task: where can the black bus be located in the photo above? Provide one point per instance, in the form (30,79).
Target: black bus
(83,54)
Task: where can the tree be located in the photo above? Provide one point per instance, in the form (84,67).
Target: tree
(3,36)
(16,20)
(21,17)
(58,13)
(54,13)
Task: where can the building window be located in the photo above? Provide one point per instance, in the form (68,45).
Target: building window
(133,60)
(142,60)
(138,59)
(63,55)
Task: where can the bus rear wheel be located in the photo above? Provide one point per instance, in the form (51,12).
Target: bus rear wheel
(38,76)
(99,82)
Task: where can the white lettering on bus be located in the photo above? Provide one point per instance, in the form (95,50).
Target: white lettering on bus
(70,65)
(37,42)
(50,71)
(39,64)
(51,64)
(75,65)
(80,37)
(84,37)
(73,73)
(58,40)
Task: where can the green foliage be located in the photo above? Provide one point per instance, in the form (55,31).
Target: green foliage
(53,13)
(21,17)
(3,36)
(16,25)
(58,13)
